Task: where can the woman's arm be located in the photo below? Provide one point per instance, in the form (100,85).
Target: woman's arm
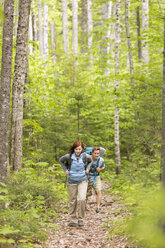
(63,160)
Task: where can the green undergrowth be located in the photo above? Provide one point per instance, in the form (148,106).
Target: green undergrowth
(30,202)
(142,217)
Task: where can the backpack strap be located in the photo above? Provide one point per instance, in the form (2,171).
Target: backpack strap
(96,172)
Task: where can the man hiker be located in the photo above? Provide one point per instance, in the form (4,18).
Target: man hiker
(94,180)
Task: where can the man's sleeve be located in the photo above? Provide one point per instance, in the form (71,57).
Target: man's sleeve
(102,163)
(102,151)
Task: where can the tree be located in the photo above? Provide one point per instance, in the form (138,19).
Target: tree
(5,85)
(117,53)
(40,27)
(145,25)
(127,2)
(65,26)
(90,28)
(105,48)
(75,27)
(84,26)
(18,85)
(45,33)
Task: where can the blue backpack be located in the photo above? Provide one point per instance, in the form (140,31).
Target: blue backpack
(88,150)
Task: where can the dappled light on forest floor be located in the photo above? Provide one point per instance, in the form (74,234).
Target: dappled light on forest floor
(96,232)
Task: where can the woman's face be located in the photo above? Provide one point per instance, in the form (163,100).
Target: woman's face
(78,150)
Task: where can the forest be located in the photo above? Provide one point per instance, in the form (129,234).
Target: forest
(82,70)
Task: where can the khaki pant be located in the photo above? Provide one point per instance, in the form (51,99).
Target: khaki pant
(77,195)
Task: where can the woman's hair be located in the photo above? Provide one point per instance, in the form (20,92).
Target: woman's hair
(76,144)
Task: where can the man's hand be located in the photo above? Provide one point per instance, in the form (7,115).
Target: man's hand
(87,171)
(98,169)
(66,172)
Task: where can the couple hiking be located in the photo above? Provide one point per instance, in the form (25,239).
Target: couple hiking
(83,171)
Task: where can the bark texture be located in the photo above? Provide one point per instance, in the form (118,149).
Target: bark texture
(5,86)
(18,84)
(145,25)
(117,53)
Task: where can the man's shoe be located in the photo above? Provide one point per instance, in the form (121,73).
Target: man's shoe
(72,224)
(98,210)
(80,223)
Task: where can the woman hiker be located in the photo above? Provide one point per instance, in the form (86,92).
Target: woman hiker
(74,165)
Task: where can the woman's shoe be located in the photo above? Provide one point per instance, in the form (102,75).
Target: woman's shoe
(80,223)
(72,224)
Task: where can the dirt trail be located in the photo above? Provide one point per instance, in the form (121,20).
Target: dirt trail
(94,234)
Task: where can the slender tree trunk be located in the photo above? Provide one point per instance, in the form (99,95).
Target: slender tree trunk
(112,32)
(18,84)
(90,29)
(105,47)
(45,34)
(53,43)
(75,27)
(84,20)
(127,3)
(117,53)
(5,86)
(40,27)
(138,34)
(145,25)
(163,118)
(65,26)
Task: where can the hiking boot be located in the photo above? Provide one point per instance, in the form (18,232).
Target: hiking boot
(80,223)
(98,210)
(72,224)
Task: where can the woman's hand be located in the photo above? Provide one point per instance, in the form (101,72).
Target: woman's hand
(67,172)
(87,171)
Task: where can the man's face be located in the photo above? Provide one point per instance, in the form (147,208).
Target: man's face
(95,154)
(78,150)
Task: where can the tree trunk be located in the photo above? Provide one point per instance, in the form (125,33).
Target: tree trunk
(53,43)
(112,32)
(84,25)
(127,2)
(75,27)
(40,26)
(145,24)
(163,118)
(18,84)
(45,33)
(90,29)
(117,53)
(65,26)
(138,33)
(105,47)
(5,86)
